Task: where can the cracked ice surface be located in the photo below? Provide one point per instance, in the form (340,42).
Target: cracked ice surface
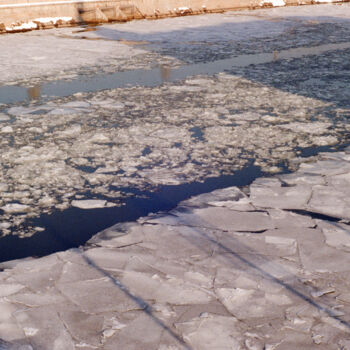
(223,270)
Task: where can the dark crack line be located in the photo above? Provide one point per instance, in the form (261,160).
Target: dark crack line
(315,215)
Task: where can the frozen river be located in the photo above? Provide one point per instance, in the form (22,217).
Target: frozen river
(101,125)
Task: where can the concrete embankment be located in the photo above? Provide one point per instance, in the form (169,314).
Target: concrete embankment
(19,15)
(266,268)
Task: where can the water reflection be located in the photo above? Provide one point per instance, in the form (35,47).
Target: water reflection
(275,55)
(165,73)
(34,92)
(156,76)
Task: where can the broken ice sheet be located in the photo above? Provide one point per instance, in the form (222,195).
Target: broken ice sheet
(91,203)
(88,146)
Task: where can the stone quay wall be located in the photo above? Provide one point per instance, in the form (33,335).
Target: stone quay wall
(23,15)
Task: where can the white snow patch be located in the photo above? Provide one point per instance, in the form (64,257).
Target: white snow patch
(274,3)
(33,24)
(23,26)
(54,20)
(182,10)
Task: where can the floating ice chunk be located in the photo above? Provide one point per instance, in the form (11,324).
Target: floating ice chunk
(185,88)
(249,116)
(16,111)
(109,104)
(325,140)
(89,203)
(76,104)
(4,225)
(35,130)
(46,201)
(15,208)
(72,131)
(198,81)
(314,128)
(3,187)
(4,117)
(106,170)
(115,105)
(100,138)
(7,130)
(271,118)
(64,111)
